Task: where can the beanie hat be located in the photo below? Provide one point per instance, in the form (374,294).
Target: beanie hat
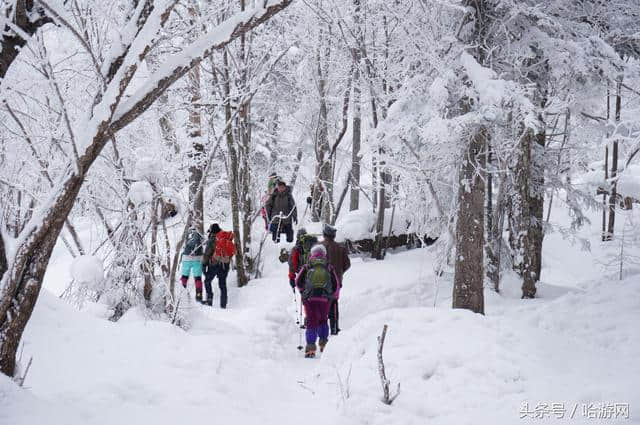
(318,252)
(214,228)
(329,231)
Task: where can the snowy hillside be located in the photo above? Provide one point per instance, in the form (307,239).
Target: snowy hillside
(577,345)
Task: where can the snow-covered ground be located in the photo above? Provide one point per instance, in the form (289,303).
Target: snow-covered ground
(576,347)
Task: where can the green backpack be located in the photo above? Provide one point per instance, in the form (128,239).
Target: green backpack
(307,242)
(317,280)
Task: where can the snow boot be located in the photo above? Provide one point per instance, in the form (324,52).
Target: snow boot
(310,351)
(199,295)
(322,343)
(208,301)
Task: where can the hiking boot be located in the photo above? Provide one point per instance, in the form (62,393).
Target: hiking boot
(322,343)
(310,351)
(199,295)
(208,301)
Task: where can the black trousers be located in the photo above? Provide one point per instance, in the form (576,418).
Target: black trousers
(333,317)
(220,270)
(283,228)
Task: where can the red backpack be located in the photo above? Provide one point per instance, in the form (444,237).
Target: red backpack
(225,248)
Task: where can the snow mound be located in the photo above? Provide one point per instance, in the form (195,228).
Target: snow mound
(140,192)
(88,270)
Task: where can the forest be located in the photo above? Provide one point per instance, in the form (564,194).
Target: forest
(462,176)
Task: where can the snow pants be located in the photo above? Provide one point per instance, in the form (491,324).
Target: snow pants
(316,309)
(283,228)
(220,270)
(333,317)
(189,267)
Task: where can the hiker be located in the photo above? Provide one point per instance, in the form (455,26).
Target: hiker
(217,262)
(299,254)
(281,210)
(263,209)
(318,283)
(272,183)
(338,257)
(192,261)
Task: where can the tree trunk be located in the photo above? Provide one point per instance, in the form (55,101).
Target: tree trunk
(521,226)
(469,274)
(357,119)
(233,175)
(537,200)
(194,132)
(614,167)
(494,233)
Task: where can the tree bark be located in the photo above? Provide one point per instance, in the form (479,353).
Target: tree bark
(614,167)
(521,225)
(233,175)
(469,266)
(354,203)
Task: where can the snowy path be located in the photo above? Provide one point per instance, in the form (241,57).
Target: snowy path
(574,345)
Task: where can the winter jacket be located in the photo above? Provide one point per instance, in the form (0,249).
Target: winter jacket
(193,246)
(337,256)
(294,261)
(282,203)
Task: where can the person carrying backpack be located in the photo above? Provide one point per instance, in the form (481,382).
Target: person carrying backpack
(338,257)
(299,254)
(217,262)
(318,284)
(192,261)
(281,210)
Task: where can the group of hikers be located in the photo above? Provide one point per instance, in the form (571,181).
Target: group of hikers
(213,258)
(316,269)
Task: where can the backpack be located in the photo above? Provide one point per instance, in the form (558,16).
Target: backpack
(317,281)
(225,248)
(193,245)
(306,243)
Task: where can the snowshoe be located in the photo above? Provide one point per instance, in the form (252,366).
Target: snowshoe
(310,351)
(322,343)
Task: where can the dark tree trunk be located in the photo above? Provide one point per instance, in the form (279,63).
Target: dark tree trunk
(233,176)
(614,167)
(469,267)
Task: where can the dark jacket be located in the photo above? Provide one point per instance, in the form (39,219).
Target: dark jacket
(337,256)
(282,203)
(193,244)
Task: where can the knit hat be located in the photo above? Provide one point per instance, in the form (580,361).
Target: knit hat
(329,231)
(301,232)
(318,252)
(214,228)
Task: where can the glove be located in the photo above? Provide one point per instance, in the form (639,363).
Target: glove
(292,282)
(309,200)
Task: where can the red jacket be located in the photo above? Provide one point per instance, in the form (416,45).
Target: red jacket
(294,262)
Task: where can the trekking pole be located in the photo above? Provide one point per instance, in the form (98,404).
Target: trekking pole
(295,301)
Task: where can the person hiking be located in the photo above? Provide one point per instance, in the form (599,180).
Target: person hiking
(296,258)
(217,262)
(318,284)
(338,257)
(272,182)
(192,260)
(281,210)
